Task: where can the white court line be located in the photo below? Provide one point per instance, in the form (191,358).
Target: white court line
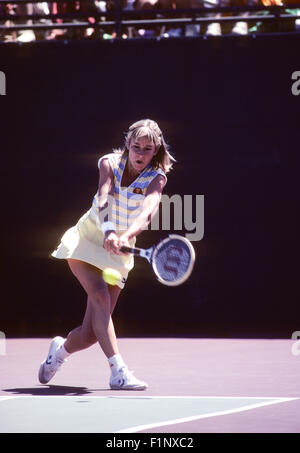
(4,398)
(272,400)
(201,397)
(198,417)
(282,399)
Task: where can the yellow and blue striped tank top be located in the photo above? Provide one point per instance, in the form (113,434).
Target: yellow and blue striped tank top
(127,201)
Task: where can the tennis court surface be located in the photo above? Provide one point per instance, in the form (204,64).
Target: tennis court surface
(195,386)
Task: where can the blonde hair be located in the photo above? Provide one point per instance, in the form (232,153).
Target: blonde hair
(150,129)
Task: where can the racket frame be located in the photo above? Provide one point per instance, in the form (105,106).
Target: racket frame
(191,265)
(149,254)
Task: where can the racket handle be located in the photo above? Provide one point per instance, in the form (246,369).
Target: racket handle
(144,253)
(130,250)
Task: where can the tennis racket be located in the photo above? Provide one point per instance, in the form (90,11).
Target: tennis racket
(172,259)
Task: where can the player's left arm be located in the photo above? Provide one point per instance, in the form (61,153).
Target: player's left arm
(148,209)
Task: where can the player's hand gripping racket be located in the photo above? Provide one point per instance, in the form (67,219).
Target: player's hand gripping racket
(172,259)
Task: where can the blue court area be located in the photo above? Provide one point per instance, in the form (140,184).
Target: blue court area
(72,414)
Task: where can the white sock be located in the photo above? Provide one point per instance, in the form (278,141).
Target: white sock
(116,362)
(61,352)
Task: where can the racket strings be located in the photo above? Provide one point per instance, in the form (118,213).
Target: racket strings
(172,260)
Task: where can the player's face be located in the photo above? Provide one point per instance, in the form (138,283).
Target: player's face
(141,151)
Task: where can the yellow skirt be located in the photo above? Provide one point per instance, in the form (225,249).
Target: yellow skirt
(84,242)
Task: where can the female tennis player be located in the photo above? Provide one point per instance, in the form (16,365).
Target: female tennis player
(131,181)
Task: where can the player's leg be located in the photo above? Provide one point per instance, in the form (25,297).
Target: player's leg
(114,292)
(83,337)
(102,299)
(99,301)
(79,338)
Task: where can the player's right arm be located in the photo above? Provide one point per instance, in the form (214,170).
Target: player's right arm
(105,203)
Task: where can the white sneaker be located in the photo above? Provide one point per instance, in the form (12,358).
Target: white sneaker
(125,380)
(51,365)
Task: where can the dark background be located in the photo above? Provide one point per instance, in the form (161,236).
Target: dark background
(226,108)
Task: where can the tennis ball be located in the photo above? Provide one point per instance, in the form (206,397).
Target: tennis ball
(111,276)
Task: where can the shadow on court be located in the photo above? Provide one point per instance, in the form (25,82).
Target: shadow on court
(51,390)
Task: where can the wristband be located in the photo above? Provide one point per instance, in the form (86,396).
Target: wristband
(107,226)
